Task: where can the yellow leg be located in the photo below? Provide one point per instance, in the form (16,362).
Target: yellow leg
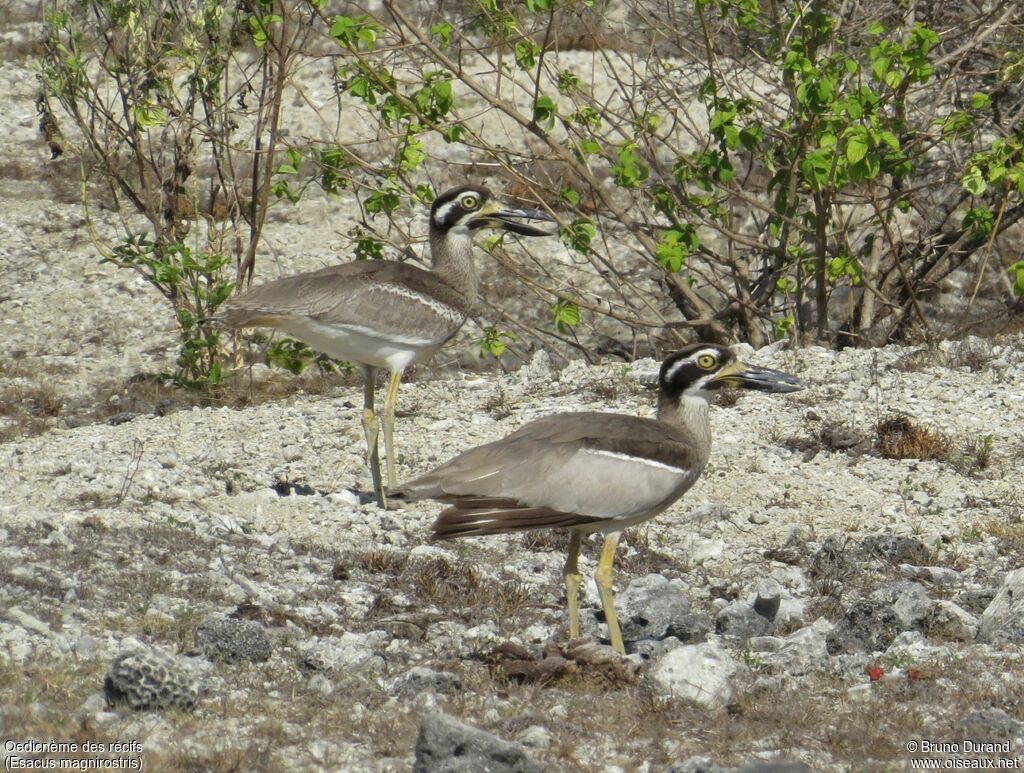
(572,585)
(389,425)
(371,431)
(603,577)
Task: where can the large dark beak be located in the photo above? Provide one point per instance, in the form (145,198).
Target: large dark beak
(497,215)
(740,376)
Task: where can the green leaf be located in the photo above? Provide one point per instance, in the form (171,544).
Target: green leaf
(783,324)
(454,132)
(355,32)
(412,155)
(843,266)
(675,245)
(1017,274)
(567,81)
(630,171)
(974,182)
(544,111)
(443,33)
(383,200)
(494,341)
(289,354)
(147,116)
(889,139)
(856,148)
(526,53)
(980,101)
(258,26)
(979,220)
(565,314)
(579,233)
(816,166)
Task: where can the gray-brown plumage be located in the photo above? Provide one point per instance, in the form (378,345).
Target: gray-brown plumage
(592,472)
(384,314)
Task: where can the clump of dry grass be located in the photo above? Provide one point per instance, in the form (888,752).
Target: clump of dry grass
(897,437)
(373,561)
(727,397)
(30,400)
(458,586)
(546,540)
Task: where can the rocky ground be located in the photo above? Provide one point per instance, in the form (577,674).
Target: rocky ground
(205,584)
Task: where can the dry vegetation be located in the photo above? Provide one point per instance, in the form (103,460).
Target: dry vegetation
(120,574)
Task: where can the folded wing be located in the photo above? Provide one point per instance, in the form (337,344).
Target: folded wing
(564,470)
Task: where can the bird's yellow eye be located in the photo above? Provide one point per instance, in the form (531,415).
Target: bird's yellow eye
(470,202)
(707,361)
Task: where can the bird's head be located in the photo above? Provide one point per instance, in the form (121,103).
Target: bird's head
(699,369)
(472,207)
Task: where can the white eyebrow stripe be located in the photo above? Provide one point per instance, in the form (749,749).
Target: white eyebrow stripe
(640,459)
(672,371)
(689,361)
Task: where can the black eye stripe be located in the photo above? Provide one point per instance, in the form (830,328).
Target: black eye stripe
(451,206)
(687,366)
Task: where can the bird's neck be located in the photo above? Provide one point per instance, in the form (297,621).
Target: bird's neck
(688,412)
(451,256)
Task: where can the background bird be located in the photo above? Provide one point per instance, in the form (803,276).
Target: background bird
(386,314)
(593,472)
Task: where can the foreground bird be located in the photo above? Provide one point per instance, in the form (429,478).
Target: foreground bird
(593,472)
(385,314)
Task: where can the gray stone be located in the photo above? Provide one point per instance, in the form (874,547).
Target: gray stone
(95,703)
(695,765)
(231,639)
(914,646)
(765,644)
(898,550)
(949,621)
(698,673)
(538,368)
(645,371)
(341,655)
(989,725)
(446,745)
(938,575)
(654,607)
(653,649)
(1003,619)
(741,621)
(149,680)
(975,600)
(535,737)
(851,665)
(910,602)
(27,621)
(767,598)
(320,683)
(802,652)
(866,626)
(774,766)
(421,679)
